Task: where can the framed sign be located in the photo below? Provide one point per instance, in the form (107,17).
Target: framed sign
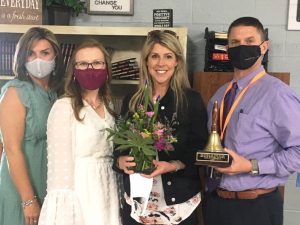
(294,15)
(110,7)
(162,17)
(21,12)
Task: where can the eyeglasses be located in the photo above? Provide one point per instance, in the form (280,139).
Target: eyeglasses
(155,33)
(98,64)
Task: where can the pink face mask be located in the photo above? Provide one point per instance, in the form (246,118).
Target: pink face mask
(91,79)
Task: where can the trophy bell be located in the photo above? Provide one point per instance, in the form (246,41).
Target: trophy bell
(213,154)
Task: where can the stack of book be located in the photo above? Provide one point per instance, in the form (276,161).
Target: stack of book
(220,35)
(7,51)
(125,69)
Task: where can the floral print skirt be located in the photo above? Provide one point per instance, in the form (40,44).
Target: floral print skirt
(157,211)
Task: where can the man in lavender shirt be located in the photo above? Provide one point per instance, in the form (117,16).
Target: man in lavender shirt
(262,136)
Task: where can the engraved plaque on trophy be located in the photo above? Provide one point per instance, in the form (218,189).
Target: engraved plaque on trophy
(213,154)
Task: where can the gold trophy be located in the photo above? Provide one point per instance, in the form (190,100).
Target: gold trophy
(213,154)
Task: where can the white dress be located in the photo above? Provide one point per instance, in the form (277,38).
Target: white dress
(81,187)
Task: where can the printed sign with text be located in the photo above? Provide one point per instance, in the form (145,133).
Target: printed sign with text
(111,7)
(162,17)
(21,12)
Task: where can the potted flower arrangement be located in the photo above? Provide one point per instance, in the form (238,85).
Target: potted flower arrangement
(63,9)
(143,135)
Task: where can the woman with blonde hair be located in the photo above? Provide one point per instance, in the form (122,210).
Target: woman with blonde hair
(175,191)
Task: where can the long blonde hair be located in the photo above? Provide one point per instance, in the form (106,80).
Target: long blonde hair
(179,81)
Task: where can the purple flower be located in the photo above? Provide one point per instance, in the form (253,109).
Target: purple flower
(160,144)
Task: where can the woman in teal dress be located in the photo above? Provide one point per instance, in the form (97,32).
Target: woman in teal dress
(1,149)
(25,103)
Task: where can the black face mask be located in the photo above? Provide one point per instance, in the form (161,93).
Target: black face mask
(243,57)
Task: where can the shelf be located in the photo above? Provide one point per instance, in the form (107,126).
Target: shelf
(134,82)
(4,77)
(89,30)
(96,30)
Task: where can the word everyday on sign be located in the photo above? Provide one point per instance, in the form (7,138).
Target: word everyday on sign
(21,11)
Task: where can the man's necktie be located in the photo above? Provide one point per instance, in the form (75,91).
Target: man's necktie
(229,99)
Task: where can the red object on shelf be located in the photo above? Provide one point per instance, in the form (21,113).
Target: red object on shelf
(220,56)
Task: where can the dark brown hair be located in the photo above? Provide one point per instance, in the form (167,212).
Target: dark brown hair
(23,49)
(249,21)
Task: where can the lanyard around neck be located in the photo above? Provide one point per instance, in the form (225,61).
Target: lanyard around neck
(235,103)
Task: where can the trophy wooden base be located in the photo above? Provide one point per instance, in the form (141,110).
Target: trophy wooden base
(218,159)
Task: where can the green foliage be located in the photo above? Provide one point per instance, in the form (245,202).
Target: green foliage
(76,6)
(126,139)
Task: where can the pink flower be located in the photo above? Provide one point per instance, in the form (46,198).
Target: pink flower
(159,132)
(150,114)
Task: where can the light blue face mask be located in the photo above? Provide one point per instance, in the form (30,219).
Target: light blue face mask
(40,68)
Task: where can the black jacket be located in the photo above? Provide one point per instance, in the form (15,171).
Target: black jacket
(191,134)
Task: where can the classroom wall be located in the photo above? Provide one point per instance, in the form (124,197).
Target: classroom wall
(284,54)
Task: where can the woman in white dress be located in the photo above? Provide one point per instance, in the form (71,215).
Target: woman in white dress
(82,187)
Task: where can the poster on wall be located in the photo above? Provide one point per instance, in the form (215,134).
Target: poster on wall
(21,12)
(162,17)
(110,7)
(294,15)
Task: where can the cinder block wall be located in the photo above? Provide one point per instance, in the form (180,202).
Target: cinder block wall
(284,54)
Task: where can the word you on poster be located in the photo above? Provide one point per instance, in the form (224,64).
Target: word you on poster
(110,7)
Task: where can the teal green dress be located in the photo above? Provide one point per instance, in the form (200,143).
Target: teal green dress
(38,103)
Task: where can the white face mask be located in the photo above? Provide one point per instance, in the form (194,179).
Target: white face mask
(40,68)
